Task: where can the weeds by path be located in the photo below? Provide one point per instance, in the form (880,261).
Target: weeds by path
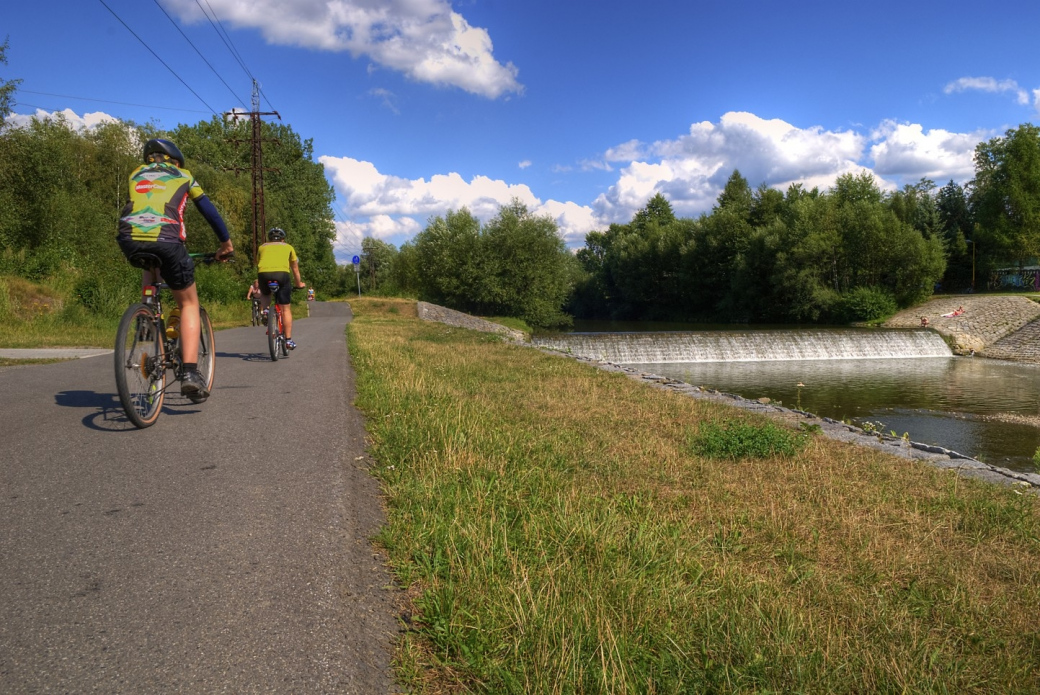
(562,531)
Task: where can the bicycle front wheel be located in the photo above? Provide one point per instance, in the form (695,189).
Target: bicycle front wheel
(140,366)
(272,333)
(256,314)
(207,350)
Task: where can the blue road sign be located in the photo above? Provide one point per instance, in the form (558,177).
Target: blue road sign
(355,260)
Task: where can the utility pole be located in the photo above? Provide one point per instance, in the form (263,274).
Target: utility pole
(256,164)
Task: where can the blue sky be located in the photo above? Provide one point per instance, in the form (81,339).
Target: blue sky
(581,109)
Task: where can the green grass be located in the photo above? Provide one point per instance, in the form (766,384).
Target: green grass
(41,315)
(557,533)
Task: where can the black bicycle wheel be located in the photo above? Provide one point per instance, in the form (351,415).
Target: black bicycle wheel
(272,333)
(140,366)
(256,314)
(207,350)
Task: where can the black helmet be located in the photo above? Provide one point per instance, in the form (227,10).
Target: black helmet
(159,146)
(276,234)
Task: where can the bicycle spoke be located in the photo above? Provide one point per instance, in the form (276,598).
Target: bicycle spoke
(139,365)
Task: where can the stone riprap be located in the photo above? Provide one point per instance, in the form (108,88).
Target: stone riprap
(450,317)
(989,325)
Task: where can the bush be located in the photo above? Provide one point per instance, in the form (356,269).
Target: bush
(107,290)
(740,440)
(865,304)
(220,284)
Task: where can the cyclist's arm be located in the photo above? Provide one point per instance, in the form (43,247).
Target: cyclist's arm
(209,211)
(295,265)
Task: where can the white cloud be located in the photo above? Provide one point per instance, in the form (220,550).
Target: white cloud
(988,84)
(71,118)
(907,151)
(424,39)
(395,209)
(692,169)
(524,164)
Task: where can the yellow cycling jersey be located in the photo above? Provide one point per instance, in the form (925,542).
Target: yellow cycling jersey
(158,193)
(275,257)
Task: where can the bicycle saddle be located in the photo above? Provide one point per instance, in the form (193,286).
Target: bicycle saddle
(144,261)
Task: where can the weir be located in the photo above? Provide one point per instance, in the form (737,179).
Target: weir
(748,346)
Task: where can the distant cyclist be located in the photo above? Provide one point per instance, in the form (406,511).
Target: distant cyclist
(153,222)
(275,260)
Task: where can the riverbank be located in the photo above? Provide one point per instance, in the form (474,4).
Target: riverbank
(989,318)
(987,326)
(557,529)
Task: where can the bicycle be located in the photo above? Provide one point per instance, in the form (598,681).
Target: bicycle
(257,312)
(145,351)
(276,340)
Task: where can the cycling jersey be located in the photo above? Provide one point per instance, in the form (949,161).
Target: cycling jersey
(158,193)
(275,257)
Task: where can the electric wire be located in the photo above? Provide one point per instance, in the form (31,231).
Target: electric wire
(157,57)
(218,27)
(198,51)
(106,101)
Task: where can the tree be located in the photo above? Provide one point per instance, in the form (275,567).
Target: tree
(377,264)
(527,267)
(956,225)
(7,87)
(1005,195)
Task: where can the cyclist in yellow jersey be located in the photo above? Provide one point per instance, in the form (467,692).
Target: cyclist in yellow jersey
(275,260)
(153,222)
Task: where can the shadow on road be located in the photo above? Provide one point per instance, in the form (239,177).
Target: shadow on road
(246,356)
(109,415)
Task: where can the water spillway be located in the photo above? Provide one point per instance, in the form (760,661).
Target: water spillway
(748,346)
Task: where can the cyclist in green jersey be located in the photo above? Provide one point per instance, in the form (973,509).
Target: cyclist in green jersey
(153,222)
(275,260)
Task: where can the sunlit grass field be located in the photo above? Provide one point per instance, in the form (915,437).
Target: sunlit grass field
(561,529)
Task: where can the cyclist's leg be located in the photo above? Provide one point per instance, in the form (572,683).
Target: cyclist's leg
(287,320)
(284,299)
(188,301)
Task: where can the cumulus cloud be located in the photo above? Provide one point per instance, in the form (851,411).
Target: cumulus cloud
(907,151)
(423,39)
(988,84)
(71,118)
(692,169)
(390,207)
(689,170)
(524,164)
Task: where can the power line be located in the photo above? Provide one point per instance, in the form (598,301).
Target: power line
(218,27)
(157,56)
(198,51)
(106,101)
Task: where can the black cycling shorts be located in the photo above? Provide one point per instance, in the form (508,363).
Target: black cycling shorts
(284,293)
(177,269)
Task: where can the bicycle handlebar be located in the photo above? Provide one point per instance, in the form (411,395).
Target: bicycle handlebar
(208,258)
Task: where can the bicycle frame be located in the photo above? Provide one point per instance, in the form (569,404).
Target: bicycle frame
(144,351)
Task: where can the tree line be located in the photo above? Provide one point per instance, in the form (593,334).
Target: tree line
(850,253)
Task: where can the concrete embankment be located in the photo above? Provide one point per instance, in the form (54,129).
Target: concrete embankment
(1004,327)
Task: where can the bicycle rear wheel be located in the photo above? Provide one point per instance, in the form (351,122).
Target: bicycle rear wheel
(283,344)
(273,333)
(140,366)
(207,350)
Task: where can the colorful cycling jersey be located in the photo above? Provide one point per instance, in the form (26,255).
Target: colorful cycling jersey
(275,257)
(158,193)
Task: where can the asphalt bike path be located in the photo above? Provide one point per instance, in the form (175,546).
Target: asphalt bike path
(225,548)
